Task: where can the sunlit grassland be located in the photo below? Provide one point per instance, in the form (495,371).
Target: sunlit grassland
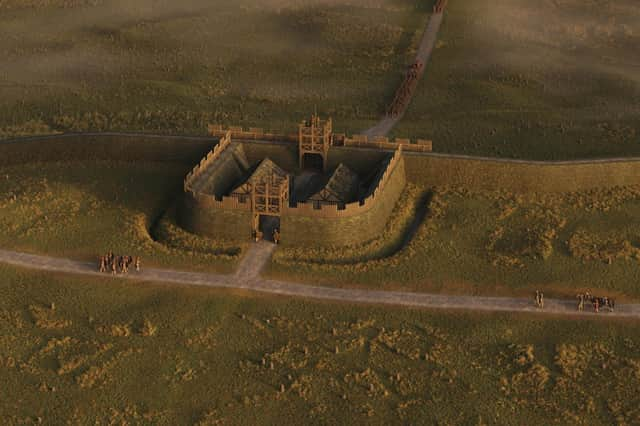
(500,243)
(84,209)
(174,67)
(85,350)
(515,78)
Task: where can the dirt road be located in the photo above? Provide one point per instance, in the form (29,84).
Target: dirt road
(247,278)
(427,44)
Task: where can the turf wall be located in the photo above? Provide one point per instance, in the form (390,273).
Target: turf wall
(490,174)
(198,217)
(105,147)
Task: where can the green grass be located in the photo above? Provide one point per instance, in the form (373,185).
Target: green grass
(516,78)
(88,351)
(173,68)
(499,243)
(84,209)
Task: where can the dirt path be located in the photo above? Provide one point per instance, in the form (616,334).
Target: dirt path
(254,261)
(247,278)
(427,44)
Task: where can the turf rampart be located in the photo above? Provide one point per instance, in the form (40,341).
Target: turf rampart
(424,169)
(516,176)
(199,214)
(113,147)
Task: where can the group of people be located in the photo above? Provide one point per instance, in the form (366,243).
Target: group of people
(405,91)
(115,264)
(596,302)
(259,235)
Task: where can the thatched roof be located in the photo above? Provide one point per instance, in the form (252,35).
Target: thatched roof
(342,186)
(265,170)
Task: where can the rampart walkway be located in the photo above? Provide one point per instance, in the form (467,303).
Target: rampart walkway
(247,279)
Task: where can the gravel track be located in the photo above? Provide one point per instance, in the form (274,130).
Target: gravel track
(247,278)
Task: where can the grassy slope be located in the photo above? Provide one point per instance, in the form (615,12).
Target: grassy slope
(87,360)
(83,209)
(169,67)
(550,80)
(498,243)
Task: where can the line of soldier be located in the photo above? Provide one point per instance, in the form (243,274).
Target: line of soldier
(596,302)
(439,6)
(114,264)
(405,91)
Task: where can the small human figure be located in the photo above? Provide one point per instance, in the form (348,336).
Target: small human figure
(276,236)
(581,302)
(137,263)
(114,268)
(588,296)
(103,264)
(596,305)
(541,300)
(537,299)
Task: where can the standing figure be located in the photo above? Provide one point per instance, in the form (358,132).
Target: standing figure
(541,300)
(103,264)
(596,305)
(137,263)
(276,236)
(537,299)
(581,302)
(114,268)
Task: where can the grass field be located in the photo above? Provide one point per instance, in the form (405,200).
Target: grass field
(538,80)
(84,209)
(82,351)
(551,80)
(498,243)
(165,67)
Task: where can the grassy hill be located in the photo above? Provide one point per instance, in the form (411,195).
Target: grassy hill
(552,79)
(170,67)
